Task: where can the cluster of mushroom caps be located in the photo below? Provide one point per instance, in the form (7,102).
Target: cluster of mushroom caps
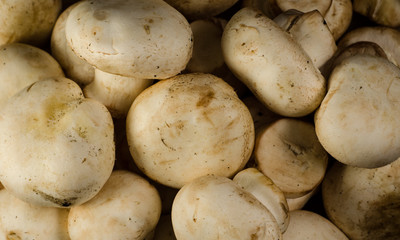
(152,119)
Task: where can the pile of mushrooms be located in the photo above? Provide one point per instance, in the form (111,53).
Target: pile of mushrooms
(230,119)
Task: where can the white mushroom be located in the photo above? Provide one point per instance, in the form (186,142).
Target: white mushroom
(101,32)
(288,152)
(264,190)
(114,91)
(357,120)
(56,147)
(189,126)
(272,64)
(339,17)
(74,67)
(384,13)
(21,220)
(214,207)
(364,203)
(310,30)
(387,38)
(23,64)
(307,225)
(127,207)
(28,21)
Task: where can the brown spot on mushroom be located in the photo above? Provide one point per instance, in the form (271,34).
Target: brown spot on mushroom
(147,28)
(100,15)
(205,99)
(60,202)
(13,236)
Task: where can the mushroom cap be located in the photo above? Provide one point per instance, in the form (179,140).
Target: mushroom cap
(384,13)
(272,64)
(307,225)
(128,205)
(101,32)
(188,126)
(56,148)
(364,203)
(23,64)
(339,17)
(28,21)
(357,122)
(21,220)
(289,152)
(74,67)
(214,207)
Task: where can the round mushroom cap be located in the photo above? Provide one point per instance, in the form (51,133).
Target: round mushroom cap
(189,126)
(56,148)
(145,39)
(127,207)
(74,67)
(214,207)
(28,21)
(21,220)
(23,64)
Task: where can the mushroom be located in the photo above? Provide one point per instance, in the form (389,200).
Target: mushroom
(127,207)
(384,13)
(56,147)
(357,120)
(21,220)
(307,225)
(188,126)
(28,21)
(100,32)
(272,64)
(264,189)
(74,67)
(364,203)
(310,30)
(201,9)
(116,92)
(214,207)
(338,17)
(23,64)
(387,38)
(289,153)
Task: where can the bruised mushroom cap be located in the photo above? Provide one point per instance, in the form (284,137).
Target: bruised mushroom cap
(23,64)
(214,207)
(75,68)
(101,32)
(357,120)
(28,21)
(272,64)
(127,207)
(188,126)
(21,220)
(56,148)
(363,202)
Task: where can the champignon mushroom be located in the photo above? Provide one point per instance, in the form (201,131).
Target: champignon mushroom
(384,13)
(264,189)
(357,120)
(100,32)
(364,203)
(214,207)
(188,126)
(288,152)
(21,220)
(116,92)
(74,67)
(307,225)
(28,21)
(127,207)
(56,147)
(310,30)
(387,38)
(23,64)
(272,64)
